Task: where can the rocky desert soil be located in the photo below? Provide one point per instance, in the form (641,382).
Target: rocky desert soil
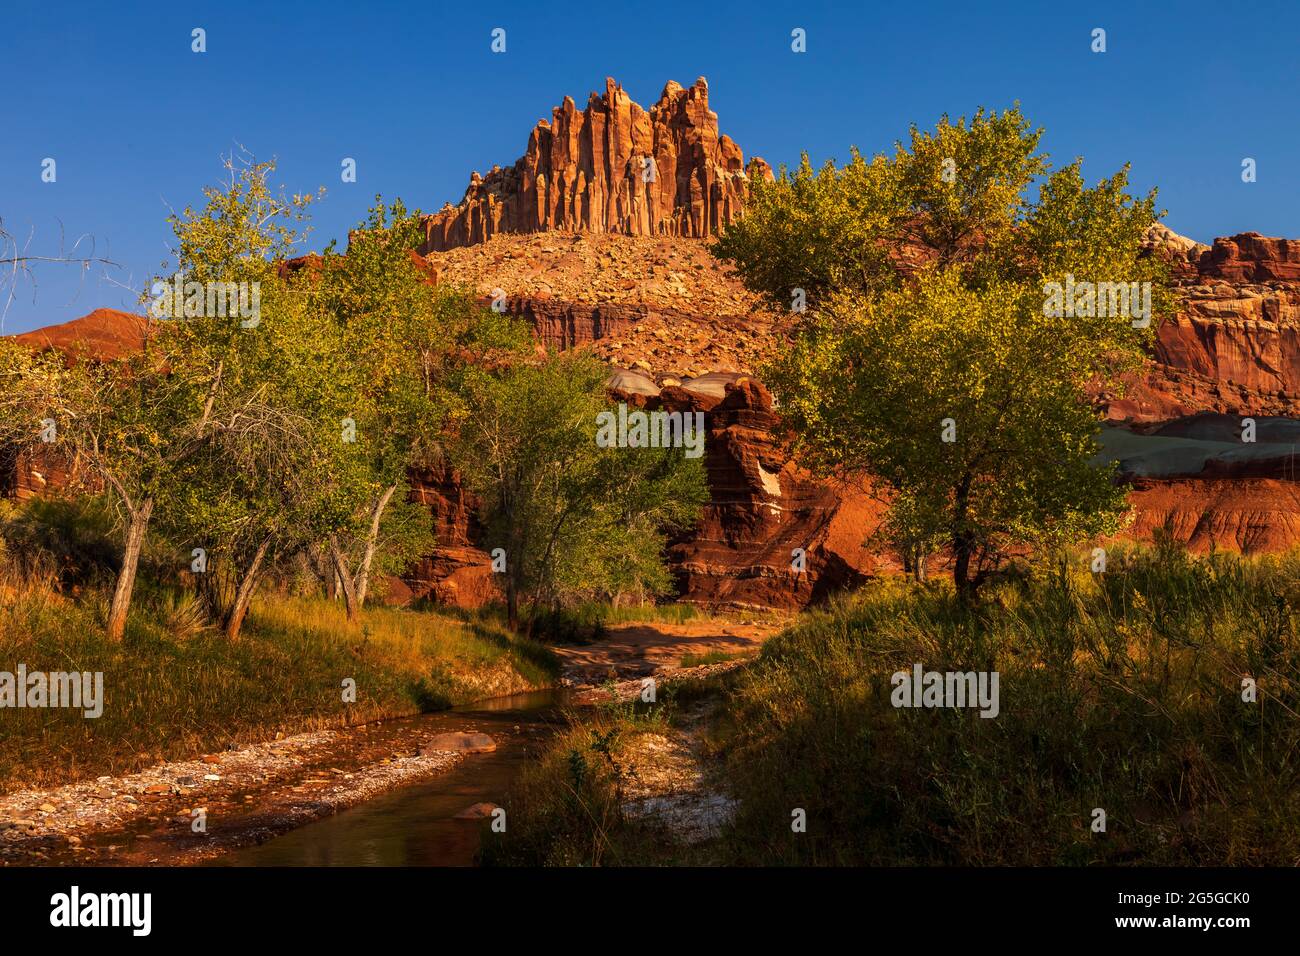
(676,784)
(695,316)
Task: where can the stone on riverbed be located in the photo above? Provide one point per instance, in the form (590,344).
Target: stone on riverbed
(467,743)
(478,811)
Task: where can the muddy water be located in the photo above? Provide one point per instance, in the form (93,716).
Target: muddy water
(417,825)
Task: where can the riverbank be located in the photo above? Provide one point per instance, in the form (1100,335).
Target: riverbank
(174,689)
(1145,716)
(202,807)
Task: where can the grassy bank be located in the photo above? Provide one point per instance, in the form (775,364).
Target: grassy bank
(1121,693)
(568,808)
(174,688)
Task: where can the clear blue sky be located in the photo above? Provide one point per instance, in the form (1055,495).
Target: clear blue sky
(136,121)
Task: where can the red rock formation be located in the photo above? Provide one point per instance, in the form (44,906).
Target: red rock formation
(33,472)
(1250,257)
(1234,345)
(103,334)
(457,572)
(762,508)
(611,167)
(1250,515)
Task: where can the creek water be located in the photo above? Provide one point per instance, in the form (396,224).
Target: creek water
(416,825)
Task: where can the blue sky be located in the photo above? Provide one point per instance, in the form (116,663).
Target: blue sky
(136,121)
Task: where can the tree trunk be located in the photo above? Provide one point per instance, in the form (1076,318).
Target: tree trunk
(344,576)
(962,548)
(512,604)
(963,541)
(372,542)
(137,525)
(244,595)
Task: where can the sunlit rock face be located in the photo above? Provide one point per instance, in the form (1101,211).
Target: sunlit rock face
(611,167)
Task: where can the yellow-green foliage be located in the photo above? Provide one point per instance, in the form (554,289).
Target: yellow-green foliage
(928,351)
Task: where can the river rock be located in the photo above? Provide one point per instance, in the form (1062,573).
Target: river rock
(461,742)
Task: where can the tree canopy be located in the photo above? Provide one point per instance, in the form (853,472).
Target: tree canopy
(929,351)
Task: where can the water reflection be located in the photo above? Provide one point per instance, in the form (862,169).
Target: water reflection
(416,825)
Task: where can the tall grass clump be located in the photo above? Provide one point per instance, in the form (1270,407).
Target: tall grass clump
(1120,692)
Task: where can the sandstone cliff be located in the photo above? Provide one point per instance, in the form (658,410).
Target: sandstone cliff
(1234,344)
(611,167)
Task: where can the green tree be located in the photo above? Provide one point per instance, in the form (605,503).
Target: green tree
(932,355)
(124,426)
(573,519)
(266,383)
(409,342)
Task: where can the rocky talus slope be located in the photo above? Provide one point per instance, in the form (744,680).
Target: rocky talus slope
(662,306)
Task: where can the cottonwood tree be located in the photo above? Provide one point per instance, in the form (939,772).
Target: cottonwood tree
(263,485)
(574,519)
(927,357)
(124,425)
(269,386)
(408,341)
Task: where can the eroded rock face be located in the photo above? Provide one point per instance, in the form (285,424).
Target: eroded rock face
(30,473)
(741,553)
(1250,515)
(458,572)
(764,510)
(611,167)
(1250,257)
(1234,345)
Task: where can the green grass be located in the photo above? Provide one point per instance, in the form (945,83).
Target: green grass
(174,688)
(1122,693)
(567,808)
(589,622)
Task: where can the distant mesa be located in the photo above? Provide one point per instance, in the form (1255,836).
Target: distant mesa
(105,334)
(611,167)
